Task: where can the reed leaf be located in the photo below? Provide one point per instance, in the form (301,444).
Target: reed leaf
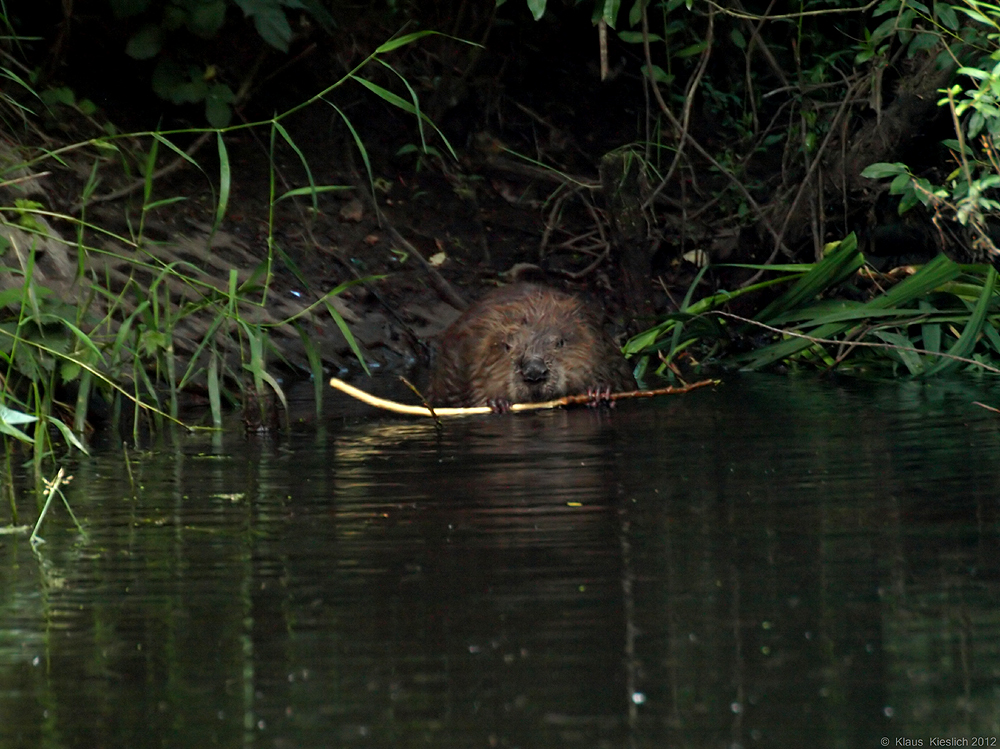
(315,367)
(302,159)
(832,269)
(214,399)
(967,341)
(933,275)
(225,182)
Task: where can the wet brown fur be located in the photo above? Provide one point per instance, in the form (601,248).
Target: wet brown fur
(525,343)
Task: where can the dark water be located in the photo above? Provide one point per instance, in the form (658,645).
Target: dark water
(774,563)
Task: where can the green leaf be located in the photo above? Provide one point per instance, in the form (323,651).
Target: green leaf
(10,416)
(391,98)
(610,13)
(900,184)
(176,149)
(68,435)
(635,12)
(537,8)
(975,124)
(692,50)
(923,41)
(911,359)
(832,269)
(635,37)
(273,27)
(217,110)
(933,275)
(205,19)
(992,336)
(886,29)
(302,158)
(930,333)
(659,75)
(225,181)
(270,21)
(146,43)
(392,44)
(974,15)
(177,84)
(128,8)
(909,200)
(954,145)
(887,6)
(296,192)
(15,433)
(973,73)
(214,399)
(967,341)
(61,95)
(882,169)
(946,15)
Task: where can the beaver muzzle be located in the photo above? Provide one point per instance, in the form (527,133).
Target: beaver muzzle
(534,370)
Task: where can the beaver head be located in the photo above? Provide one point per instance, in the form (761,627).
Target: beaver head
(525,343)
(544,357)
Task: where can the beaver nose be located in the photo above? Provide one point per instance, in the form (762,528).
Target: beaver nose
(534,369)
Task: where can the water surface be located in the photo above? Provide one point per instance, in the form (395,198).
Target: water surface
(772,563)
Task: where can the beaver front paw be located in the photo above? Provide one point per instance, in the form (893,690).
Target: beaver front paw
(498,405)
(599,395)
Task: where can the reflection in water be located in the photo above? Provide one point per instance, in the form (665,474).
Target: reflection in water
(775,563)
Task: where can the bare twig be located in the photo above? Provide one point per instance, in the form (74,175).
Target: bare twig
(681,129)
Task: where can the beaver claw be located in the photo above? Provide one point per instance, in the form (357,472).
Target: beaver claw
(599,395)
(498,405)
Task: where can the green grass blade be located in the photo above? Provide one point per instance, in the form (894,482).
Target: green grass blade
(214,399)
(302,158)
(911,359)
(348,336)
(930,333)
(392,44)
(315,367)
(967,341)
(68,435)
(82,402)
(176,149)
(225,182)
(421,117)
(832,269)
(359,144)
(296,192)
(933,275)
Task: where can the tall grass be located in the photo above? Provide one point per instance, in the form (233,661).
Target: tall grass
(116,337)
(941,318)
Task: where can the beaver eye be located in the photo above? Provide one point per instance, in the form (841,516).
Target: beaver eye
(560,342)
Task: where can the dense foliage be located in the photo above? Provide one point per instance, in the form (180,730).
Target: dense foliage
(808,189)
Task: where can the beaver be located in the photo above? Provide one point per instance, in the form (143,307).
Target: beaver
(526,343)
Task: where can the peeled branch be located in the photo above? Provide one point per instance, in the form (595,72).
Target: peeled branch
(568,400)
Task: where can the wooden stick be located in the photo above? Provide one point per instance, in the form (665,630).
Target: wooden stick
(402,408)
